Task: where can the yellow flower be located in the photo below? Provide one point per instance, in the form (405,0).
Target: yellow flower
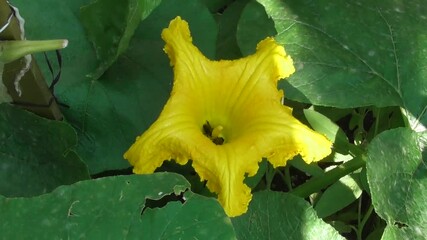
(225,116)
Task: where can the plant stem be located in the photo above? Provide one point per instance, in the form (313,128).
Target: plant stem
(15,49)
(316,184)
(269,176)
(363,222)
(377,121)
(288,178)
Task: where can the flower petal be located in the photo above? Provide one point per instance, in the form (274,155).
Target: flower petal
(241,102)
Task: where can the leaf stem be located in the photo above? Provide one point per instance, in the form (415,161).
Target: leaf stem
(316,184)
(288,178)
(377,121)
(363,222)
(15,49)
(269,176)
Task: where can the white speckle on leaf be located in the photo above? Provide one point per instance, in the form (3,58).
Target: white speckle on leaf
(398,10)
(160,193)
(46,222)
(371,53)
(418,231)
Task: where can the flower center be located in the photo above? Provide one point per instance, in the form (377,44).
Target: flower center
(213,133)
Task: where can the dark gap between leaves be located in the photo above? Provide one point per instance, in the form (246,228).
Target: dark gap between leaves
(126,171)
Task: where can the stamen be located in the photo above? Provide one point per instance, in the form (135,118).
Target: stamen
(213,133)
(217,131)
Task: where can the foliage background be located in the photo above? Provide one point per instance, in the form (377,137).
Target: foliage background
(361,70)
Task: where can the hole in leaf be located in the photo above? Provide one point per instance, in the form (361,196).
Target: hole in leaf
(161,202)
(400,225)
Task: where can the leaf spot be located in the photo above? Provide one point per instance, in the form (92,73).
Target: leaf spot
(70,213)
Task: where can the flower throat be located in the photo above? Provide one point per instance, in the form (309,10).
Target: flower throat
(213,133)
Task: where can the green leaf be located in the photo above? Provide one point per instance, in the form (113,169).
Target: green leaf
(36,154)
(108,114)
(261,26)
(60,21)
(111,24)
(324,125)
(341,227)
(339,195)
(227,47)
(116,208)
(216,6)
(376,234)
(148,6)
(397,177)
(253,181)
(334,114)
(4,95)
(385,119)
(351,54)
(275,215)
(311,169)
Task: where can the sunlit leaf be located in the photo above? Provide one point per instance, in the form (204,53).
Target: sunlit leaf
(397,177)
(274,215)
(116,208)
(339,195)
(351,54)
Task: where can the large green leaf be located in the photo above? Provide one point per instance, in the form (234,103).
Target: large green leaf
(36,154)
(275,215)
(216,6)
(397,177)
(227,47)
(110,24)
(116,208)
(351,54)
(108,114)
(50,19)
(254,25)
